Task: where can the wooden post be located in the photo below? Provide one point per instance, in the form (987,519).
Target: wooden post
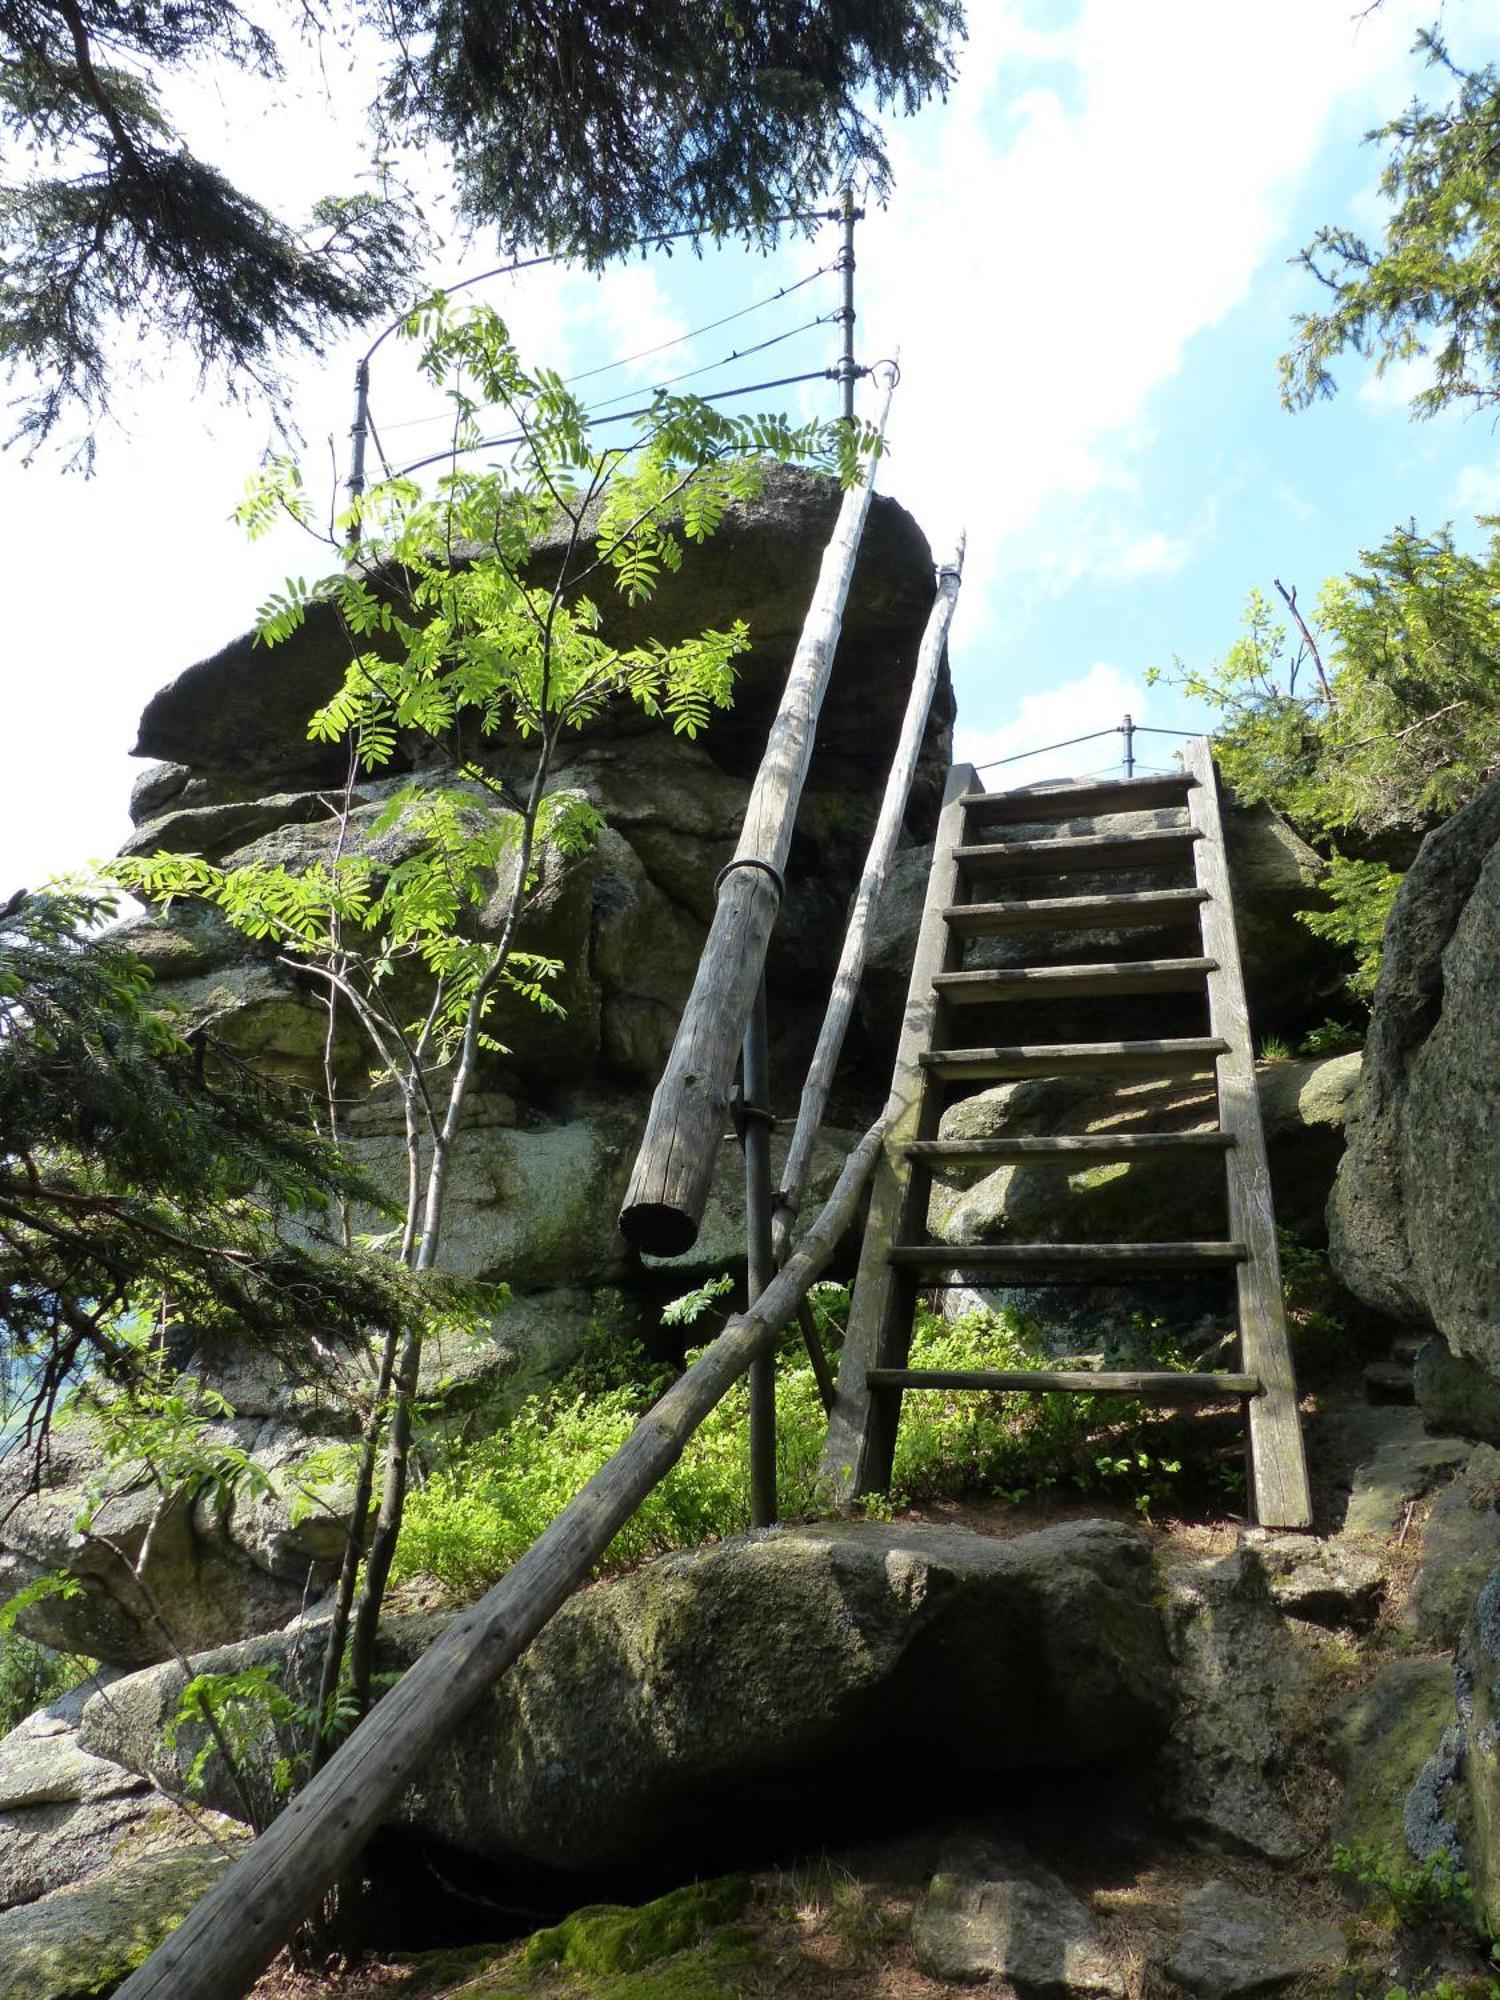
(872,883)
(238,1927)
(760,1265)
(674,1168)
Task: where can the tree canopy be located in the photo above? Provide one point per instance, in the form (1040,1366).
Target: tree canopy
(580,127)
(1433,287)
(1382,718)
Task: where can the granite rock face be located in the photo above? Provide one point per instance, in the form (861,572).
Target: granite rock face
(550,1133)
(1232,1943)
(1241,1678)
(993,1912)
(735,1684)
(1414,1226)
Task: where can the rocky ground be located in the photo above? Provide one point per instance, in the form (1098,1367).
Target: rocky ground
(1218,1716)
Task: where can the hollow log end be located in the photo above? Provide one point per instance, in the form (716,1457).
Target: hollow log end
(657,1229)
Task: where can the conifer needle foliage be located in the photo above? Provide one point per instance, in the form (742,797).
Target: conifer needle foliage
(577,126)
(141,1175)
(1430,288)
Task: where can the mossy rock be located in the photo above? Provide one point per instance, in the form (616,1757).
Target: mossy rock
(80,1943)
(609,1937)
(1381,1737)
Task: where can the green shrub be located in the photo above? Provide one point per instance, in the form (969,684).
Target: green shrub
(477,1511)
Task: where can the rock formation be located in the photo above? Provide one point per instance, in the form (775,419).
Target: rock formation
(1414,1223)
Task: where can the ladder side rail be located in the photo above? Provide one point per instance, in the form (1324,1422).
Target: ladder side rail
(1277,1462)
(861,1436)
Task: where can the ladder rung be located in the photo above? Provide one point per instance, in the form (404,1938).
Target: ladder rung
(1190,1055)
(1081,982)
(1068,1149)
(1078,799)
(1141,909)
(1066,855)
(1156,1386)
(949,1265)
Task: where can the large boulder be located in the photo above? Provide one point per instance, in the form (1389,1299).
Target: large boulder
(994,1912)
(81,1942)
(67,1816)
(1414,1226)
(239,718)
(1381,1737)
(739,1687)
(1243,1680)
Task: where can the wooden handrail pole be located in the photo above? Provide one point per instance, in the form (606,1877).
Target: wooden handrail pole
(675,1166)
(236,1930)
(872,883)
(760,1267)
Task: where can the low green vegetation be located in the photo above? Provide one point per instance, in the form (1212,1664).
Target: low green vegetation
(482,1503)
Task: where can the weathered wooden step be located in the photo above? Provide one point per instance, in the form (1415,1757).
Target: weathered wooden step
(949,1265)
(1189,1055)
(1071,853)
(1079,799)
(1153,1386)
(1075,1149)
(985,986)
(1140,909)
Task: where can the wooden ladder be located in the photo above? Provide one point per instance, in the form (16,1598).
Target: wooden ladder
(898,1257)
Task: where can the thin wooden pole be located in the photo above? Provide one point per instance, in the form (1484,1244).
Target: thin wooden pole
(238,1927)
(872,883)
(760,1266)
(674,1168)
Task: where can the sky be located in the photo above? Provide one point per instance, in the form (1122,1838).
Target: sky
(1087,271)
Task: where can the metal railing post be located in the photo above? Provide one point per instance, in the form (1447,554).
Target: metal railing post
(1127,730)
(848,372)
(358,431)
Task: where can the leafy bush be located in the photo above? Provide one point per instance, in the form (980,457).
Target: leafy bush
(1361,894)
(1380,721)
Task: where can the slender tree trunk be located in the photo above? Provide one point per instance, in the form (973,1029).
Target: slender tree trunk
(382,1551)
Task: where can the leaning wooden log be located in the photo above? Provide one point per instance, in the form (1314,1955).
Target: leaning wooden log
(237,1929)
(877,869)
(675,1165)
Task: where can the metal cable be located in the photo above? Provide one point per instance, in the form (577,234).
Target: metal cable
(1021,755)
(710,367)
(563,256)
(713,326)
(678,340)
(620,416)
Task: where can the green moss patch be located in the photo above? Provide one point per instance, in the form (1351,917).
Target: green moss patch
(610,1938)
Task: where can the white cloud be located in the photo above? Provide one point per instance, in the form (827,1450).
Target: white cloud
(1394,388)
(1053,251)
(1476,490)
(1097,700)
